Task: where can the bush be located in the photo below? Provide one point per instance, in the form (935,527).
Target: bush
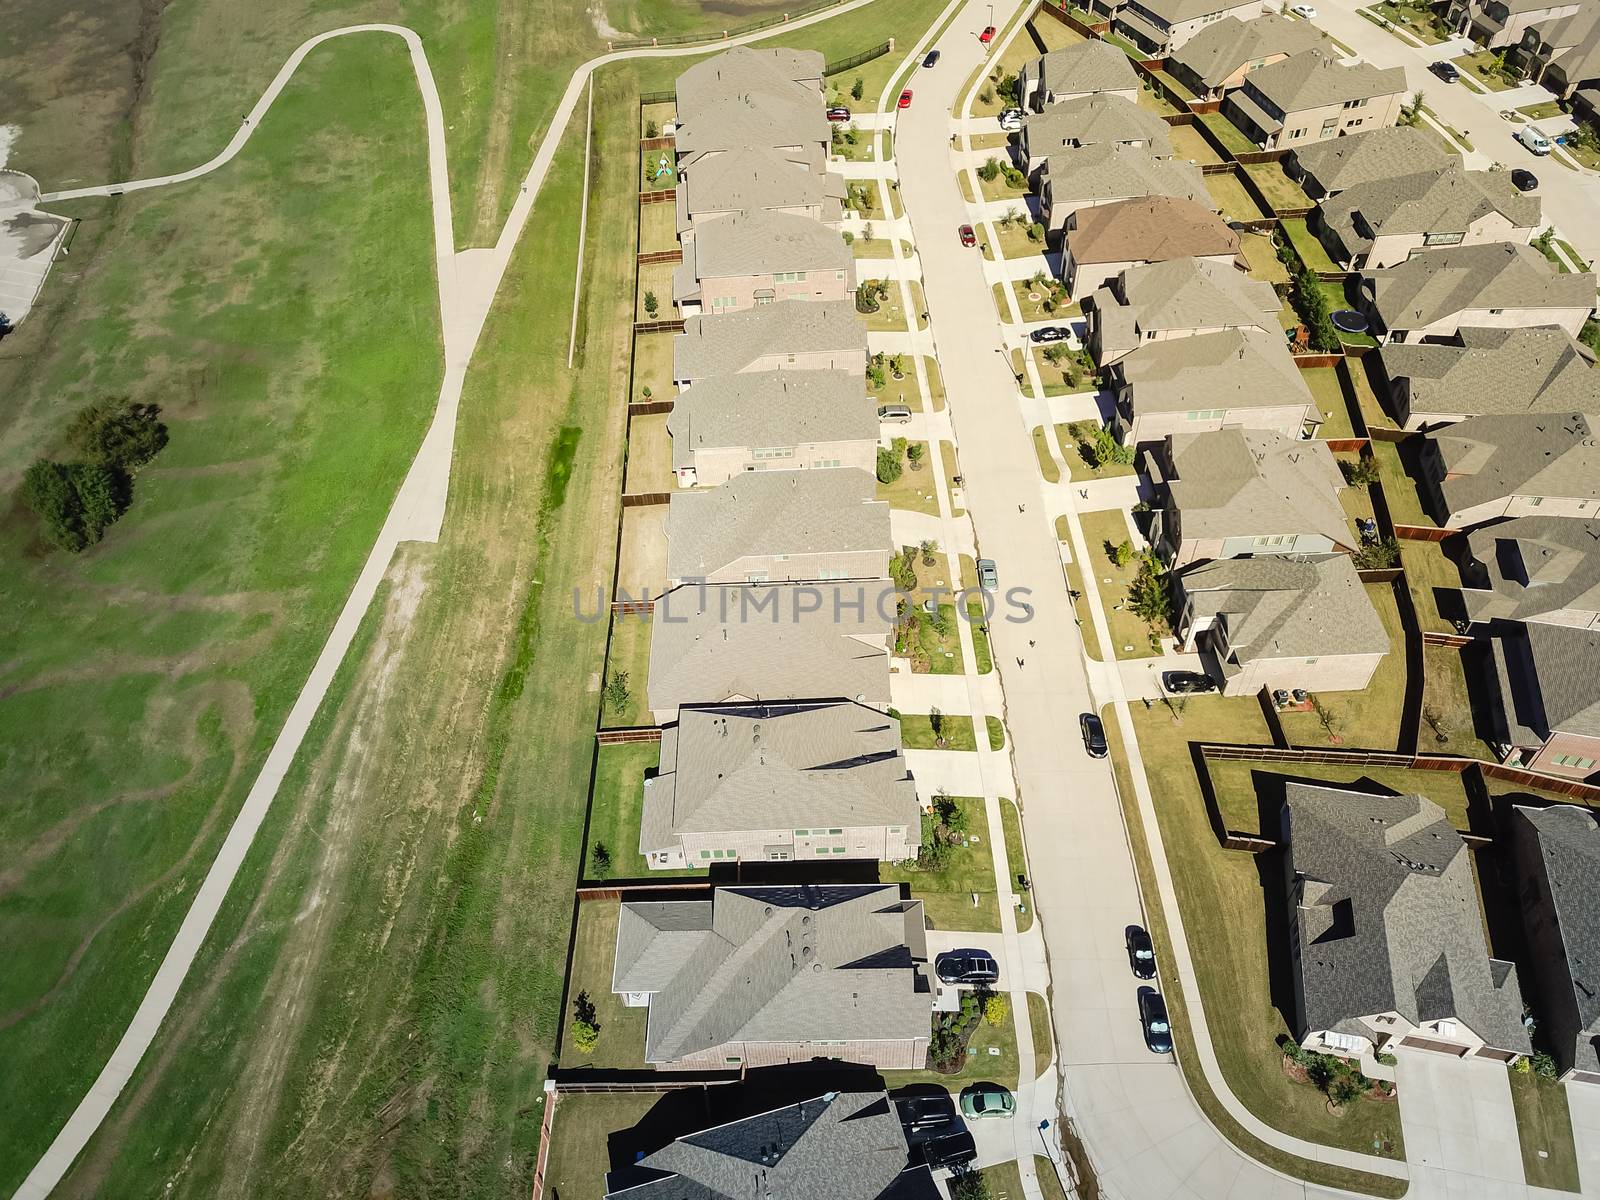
(651,129)
(1102,448)
(617,692)
(866,298)
(1122,553)
(995,1010)
(584,1036)
(1379,556)
(968,1184)
(76,502)
(1361,473)
(849,238)
(889,465)
(118,433)
(1387,1059)
(600,860)
(858,88)
(1543,1065)
(651,305)
(990,171)
(914,454)
(1015,178)
(1036,232)
(1312,306)
(1149,596)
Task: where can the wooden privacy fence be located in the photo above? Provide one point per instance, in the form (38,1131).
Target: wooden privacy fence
(630,736)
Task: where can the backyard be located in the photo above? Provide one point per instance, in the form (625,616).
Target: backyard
(1370,718)
(1306,245)
(628,657)
(1233,199)
(1279,190)
(614,813)
(1188,142)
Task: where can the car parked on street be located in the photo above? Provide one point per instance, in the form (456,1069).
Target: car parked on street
(1050,333)
(1532,140)
(931,58)
(968,238)
(1094,735)
(983,1100)
(988,576)
(1523,179)
(987,35)
(1188,683)
(838,113)
(1445,70)
(1141,952)
(973,968)
(1153,1016)
(905,99)
(1304,11)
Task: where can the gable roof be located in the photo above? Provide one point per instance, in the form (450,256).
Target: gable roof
(1286,607)
(1237,368)
(714,643)
(1089,66)
(1534,568)
(745,70)
(755,177)
(1389,918)
(1437,284)
(1450,200)
(1233,482)
(745,767)
(764,242)
(829,511)
(1489,458)
(1314,78)
(1344,162)
(1148,229)
(839,1146)
(1496,372)
(770,408)
(1088,119)
(724,344)
(1550,684)
(1119,171)
(1193,293)
(1224,46)
(776,964)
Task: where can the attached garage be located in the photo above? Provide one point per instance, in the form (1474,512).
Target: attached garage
(1438,1047)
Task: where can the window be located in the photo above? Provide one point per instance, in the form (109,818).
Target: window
(756,577)
(1329,126)
(722,302)
(705,854)
(1296,133)
(1535,501)
(828,462)
(801,832)
(789,277)
(1355,103)
(1573,760)
(835,831)
(838,850)
(761,452)
(1443,239)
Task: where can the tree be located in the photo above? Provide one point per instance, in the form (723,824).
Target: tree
(866,232)
(1361,473)
(76,502)
(1326,717)
(914,455)
(1015,178)
(968,1184)
(651,129)
(646,393)
(889,465)
(1036,232)
(585,1026)
(118,433)
(1412,113)
(1149,596)
(617,693)
(600,859)
(1441,731)
(929,549)
(1312,306)
(858,88)
(1122,553)
(995,1010)
(990,170)
(1104,448)
(1543,1065)
(1379,556)
(1342,1089)
(936,726)
(1053,354)
(951,817)
(897,365)
(651,305)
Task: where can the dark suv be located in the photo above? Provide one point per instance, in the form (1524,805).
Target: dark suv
(1094,735)
(975,967)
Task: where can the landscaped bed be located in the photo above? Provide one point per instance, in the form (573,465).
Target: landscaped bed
(962,866)
(1077,441)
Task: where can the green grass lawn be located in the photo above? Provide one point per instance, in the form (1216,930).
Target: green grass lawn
(897,391)
(1480,65)
(999,189)
(614,812)
(1014,239)
(1417,19)
(1280,191)
(1232,199)
(652,366)
(622,1029)
(915,490)
(1130,636)
(916,732)
(630,653)
(1042,308)
(1306,245)
(1017,860)
(997,733)
(1005,1180)
(1047,460)
(878,247)
(1078,468)
(1228,134)
(1541,111)
(1369,719)
(891,314)
(1188,142)
(980,637)
(947,893)
(1434,581)
(1400,488)
(1039,1027)
(1324,385)
(579,1151)
(1544,1125)
(1262,256)
(1450,723)
(1080,602)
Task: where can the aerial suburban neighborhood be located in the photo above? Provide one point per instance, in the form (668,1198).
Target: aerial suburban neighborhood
(869,601)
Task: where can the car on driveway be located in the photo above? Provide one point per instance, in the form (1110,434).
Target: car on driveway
(838,113)
(1523,179)
(899,413)
(931,59)
(983,1100)
(1141,952)
(1532,140)
(973,968)
(950,1150)
(1094,735)
(1188,683)
(905,99)
(1050,333)
(1011,120)
(1305,11)
(987,35)
(988,577)
(1153,1016)
(1445,70)
(968,238)
(926,1115)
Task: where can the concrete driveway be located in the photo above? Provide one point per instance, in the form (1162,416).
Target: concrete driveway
(1583,1099)
(1459,1125)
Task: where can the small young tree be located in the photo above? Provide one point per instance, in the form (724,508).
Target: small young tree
(1441,731)
(995,1010)
(651,305)
(1122,553)
(969,1184)
(914,455)
(651,129)
(858,88)
(1326,717)
(1053,354)
(585,1026)
(1106,449)
(889,465)
(867,233)
(617,692)
(1361,473)
(897,365)
(936,726)
(1342,1089)
(929,549)
(1379,556)
(990,170)
(600,860)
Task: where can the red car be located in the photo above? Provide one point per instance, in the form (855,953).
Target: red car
(987,35)
(968,238)
(905,98)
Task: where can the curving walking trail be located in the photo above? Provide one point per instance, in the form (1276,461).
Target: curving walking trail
(468,281)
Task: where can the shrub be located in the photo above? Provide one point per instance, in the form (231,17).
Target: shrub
(1122,553)
(1103,448)
(889,465)
(1312,306)
(1149,596)
(914,455)
(986,96)
(1342,1090)
(1379,556)
(1036,232)
(600,860)
(76,502)
(1015,178)
(617,692)
(849,238)
(651,129)
(584,1036)
(1361,473)
(1522,1066)
(990,170)
(867,300)
(951,818)
(1543,1065)
(1387,1059)
(876,375)
(995,1010)
(651,305)
(968,1184)
(118,433)
(858,88)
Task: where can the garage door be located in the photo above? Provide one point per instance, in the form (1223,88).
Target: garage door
(1422,1043)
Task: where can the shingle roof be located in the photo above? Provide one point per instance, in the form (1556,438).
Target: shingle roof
(830,511)
(746,71)
(1282,607)
(782,964)
(1091,66)
(1173,11)
(1191,293)
(764,242)
(770,408)
(1444,201)
(1343,162)
(778,766)
(770,642)
(1237,368)
(1089,119)
(757,120)
(1314,78)
(1496,372)
(840,1146)
(725,344)
(755,178)
(1490,458)
(1150,229)
(1233,482)
(1436,284)
(1224,46)
(1389,918)
(1118,171)
(1553,685)
(1535,568)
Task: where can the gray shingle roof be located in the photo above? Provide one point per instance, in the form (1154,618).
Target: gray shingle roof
(723,345)
(840,1146)
(1490,458)
(1237,368)
(764,242)
(755,178)
(1181,294)
(1224,46)
(1343,162)
(1234,482)
(781,964)
(1444,201)
(746,71)
(1091,66)
(1535,568)
(1548,680)
(770,408)
(1436,284)
(1281,607)
(1314,78)
(1173,11)
(770,642)
(1117,171)
(1151,229)
(748,97)
(745,767)
(1090,119)
(1389,919)
(831,511)
(1496,372)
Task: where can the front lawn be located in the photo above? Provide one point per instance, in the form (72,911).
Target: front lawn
(1544,1125)
(1073,438)
(873,247)
(1130,635)
(947,892)
(991,1056)
(955,731)
(896,391)
(1417,19)
(915,489)
(1015,239)
(1038,300)
(1000,188)
(1481,66)
(1541,111)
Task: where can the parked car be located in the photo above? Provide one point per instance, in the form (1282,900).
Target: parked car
(838,113)
(972,967)
(1532,140)
(1141,952)
(905,99)
(926,1115)
(1094,735)
(1153,1016)
(988,577)
(983,1100)
(987,35)
(1305,11)
(951,1150)
(931,59)
(1050,333)
(1011,120)
(1188,683)
(894,412)
(1445,70)
(1523,179)
(968,238)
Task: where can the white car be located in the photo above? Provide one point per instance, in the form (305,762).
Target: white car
(1304,10)
(1535,141)
(1011,120)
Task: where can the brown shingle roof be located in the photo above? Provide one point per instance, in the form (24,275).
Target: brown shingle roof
(1150,229)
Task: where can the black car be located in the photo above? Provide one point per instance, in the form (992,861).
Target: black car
(976,967)
(1153,1016)
(926,1116)
(1445,70)
(933,57)
(1094,735)
(950,1150)
(838,113)
(1050,333)
(1141,952)
(1188,683)
(1523,179)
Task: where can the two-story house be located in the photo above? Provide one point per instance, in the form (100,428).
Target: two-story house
(1110,171)
(1089,121)
(1313,96)
(756,179)
(1104,240)
(747,97)
(1529,464)
(1217,59)
(1327,168)
(1179,298)
(766,257)
(1544,569)
(1385,221)
(1488,372)
(1498,24)
(1563,54)
(1549,698)
(1081,69)
(1162,27)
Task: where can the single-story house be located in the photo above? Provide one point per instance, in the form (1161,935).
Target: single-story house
(1478,372)
(1327,168)
(1281,623)
(727,425)
(1536,464)
(738,781)
(794,335)
(763,976)
(1386,940)
(1544,569)
(1237,493)
(1179,298)
(1549,710)
(1088,121)
(1110,171)
(1081,69)
(1313,96)
(756,179)
(1217,59)
(1107,239)
(751,259)
(1163,27)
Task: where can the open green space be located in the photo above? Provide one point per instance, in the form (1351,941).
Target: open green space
(960,894)
(1544,1125)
